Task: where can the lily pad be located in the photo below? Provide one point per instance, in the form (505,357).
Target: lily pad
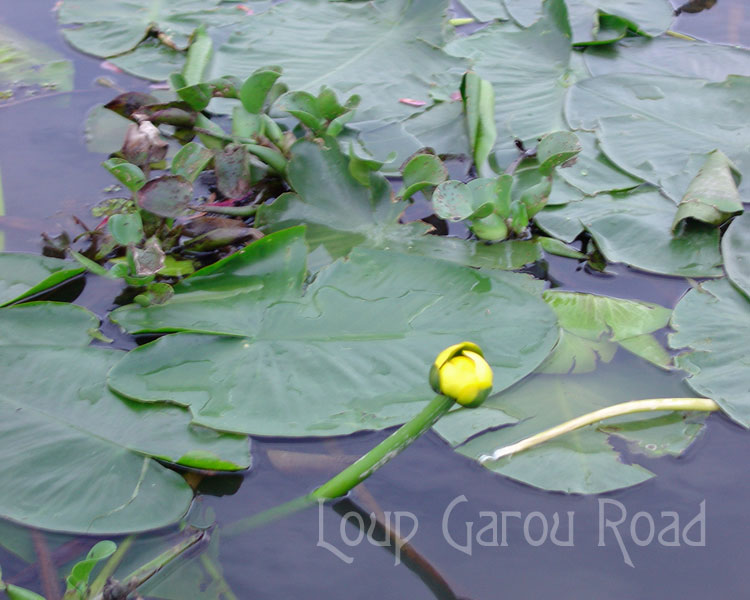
(82,455)
(594,326)
(378,317)
(530,72)
(24,275)
(669,56)
(107,29)
(647,17)
(486,10)
(660,128)
(713,323)
(24,62)
(636,228)
(383,50)
(735,248)
(341,213)
(583,462)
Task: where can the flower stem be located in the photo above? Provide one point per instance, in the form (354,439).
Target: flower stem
(617,410)
(384,451)
(355,473)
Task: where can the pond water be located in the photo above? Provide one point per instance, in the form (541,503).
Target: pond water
(48,175)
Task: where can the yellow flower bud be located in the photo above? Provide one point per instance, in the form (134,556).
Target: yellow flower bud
(460,372)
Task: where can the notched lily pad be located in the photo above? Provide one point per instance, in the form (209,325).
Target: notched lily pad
(25,275)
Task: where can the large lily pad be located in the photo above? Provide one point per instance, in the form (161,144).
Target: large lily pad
(636,228)
(713,323)
(530,72)
(349,352)
(583,462)
(341,213)
(383,51)
(24,275)
(669,56)
(660,128)
(648,17)
(79,457)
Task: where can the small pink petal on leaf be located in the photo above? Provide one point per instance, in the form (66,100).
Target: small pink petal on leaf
(246,9)
(108,66)
(456,96)
(412,102)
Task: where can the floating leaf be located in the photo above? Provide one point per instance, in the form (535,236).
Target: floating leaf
(456,201)
(583,462)
(635,228)
(382,51)
(529,70)
(713,323)
(354,318)
(668,55)
(166,196)
(24,275)
(341,213)
(24,62)
(641,122)
(108,30)
(256,87)
(486,10)
(647,17)
(712,195)
(594,325)
(735,248)
(90,446)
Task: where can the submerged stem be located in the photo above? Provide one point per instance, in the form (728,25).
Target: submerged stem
(625,408)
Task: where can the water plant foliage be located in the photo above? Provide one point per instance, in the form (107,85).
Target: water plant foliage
(593,136)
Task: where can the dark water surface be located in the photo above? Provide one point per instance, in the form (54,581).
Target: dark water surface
(48,174)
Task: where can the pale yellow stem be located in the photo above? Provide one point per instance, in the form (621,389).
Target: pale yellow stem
(617,410)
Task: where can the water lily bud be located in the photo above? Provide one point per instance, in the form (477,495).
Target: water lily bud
(460,372)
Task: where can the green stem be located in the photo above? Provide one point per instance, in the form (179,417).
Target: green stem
(145,572)
(110,566)
(384,451)
(357,472)
(224,589)
(234,211)
(617,410)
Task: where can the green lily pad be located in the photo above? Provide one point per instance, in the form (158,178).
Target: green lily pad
(486,10)
(25,62)
(341,213)
(660,128)
(583,462)
(530,72)
(107,29)
(82,455)
(350,47)
(647,17)
(735,248)
(594,326)
(361,337)
(667,55)
(24,275)
(713,323)
(636,228)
